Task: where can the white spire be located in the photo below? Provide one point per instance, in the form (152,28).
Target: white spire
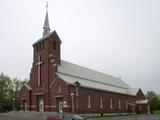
(46,28)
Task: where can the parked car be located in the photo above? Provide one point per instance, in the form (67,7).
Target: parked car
(70,117)
(54,118)
(65,116)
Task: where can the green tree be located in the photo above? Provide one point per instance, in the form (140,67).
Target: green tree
(10,92)
(159,103)
(154,100)
(6,93)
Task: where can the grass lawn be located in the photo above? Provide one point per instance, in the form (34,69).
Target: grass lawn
(157,112)
(115,117)
(99,118)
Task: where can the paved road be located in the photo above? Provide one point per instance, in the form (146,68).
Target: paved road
(6,117)
(134,117)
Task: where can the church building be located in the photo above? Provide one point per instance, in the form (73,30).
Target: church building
(59,86)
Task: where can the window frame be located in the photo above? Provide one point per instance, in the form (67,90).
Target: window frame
(77,91)
(126,104)
(111,102)
(59,88)
(89,101)
(119,103)
(101,102)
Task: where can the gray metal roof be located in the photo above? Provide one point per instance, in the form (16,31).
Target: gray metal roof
(72,73)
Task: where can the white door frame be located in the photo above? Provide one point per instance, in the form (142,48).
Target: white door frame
(41,105)
(61,107)
(25,105)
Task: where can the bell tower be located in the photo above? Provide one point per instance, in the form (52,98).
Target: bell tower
(46,58)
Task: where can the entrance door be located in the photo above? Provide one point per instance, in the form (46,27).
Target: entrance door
(60,107)
(25,106)
(41,105)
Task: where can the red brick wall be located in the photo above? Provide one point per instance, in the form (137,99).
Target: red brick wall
(95,101)
(64,92)
(143,109)
(140,95)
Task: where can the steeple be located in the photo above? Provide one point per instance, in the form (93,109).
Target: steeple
(46,28)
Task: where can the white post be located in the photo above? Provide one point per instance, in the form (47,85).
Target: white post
(72,94)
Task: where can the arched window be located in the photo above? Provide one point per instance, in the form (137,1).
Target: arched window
(77,91)
(89,101)
(111,103)
(101,102)
(59,88)
(119,103)
(126,104)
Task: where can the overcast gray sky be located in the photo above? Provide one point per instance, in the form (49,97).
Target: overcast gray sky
(117,37)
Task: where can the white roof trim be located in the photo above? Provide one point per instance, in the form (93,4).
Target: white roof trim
(28,87)
(145,101)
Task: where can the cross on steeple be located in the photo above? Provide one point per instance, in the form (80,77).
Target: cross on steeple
(47,7)
(39,69)
(46,28)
